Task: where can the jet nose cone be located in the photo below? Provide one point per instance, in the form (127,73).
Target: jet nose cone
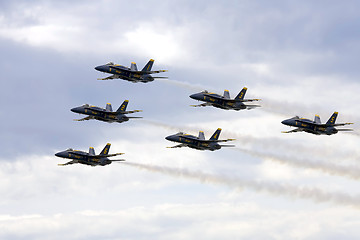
(76,109)
(195,96)
(286,122)
(170,138)
(59,154)
(100,68)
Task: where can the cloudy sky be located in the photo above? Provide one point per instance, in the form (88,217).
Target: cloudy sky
(299,57)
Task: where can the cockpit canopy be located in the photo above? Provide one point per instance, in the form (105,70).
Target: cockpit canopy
(205,91)
(180,133)
(110,63)
(69,149)
(86,105)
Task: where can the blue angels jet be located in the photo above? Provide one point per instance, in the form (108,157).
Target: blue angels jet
(315,127)
(187,140)
(105,114)
(130,74)
(89,158)
(224,102)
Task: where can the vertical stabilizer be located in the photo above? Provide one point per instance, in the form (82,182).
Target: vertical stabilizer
(106,149)
(201,135)
(332,119)
(123,106)
(133,67)
(108,107)
(317,119)
(91,151)
(226,94)
(241,95)
(216,134)
(148,66)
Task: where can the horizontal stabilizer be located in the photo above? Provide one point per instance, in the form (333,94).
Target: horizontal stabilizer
(225,140)
(249,100)
(118,160)
(133,111)
(227,145)
(345,130)
(151,72)
(249,107)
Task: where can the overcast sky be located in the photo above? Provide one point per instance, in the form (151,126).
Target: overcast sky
(300,58)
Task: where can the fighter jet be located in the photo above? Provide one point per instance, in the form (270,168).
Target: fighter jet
(315,127)
(107,114)
(130,74)
(89,158)
(224,102)
(199,142)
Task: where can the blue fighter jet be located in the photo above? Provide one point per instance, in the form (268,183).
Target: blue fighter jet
(130,74)
(224,102)
(315,127)
(89,158)
(187,140)
(105,114)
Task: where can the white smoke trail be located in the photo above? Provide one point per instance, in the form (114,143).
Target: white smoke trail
(185,85)
(326,167)
(315,194)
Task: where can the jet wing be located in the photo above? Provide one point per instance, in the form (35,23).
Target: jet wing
(68,163)
(110,77)
(295,130)
(201,105)
(83,119)
(178,146)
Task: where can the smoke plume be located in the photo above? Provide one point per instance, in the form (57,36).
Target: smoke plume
(314,194)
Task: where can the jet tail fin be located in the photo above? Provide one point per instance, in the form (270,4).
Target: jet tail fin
(106,149)
(201,135)
(332,119)
(216,134)
(109,107)
(241,95)
(226,94)
(148,66)
(133,66)
(123,106)
(91,151)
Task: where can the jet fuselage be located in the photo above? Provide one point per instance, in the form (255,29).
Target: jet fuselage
(218,101)
(125,73)
(83,157)
(307,126)
(194,142)
(101,114)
